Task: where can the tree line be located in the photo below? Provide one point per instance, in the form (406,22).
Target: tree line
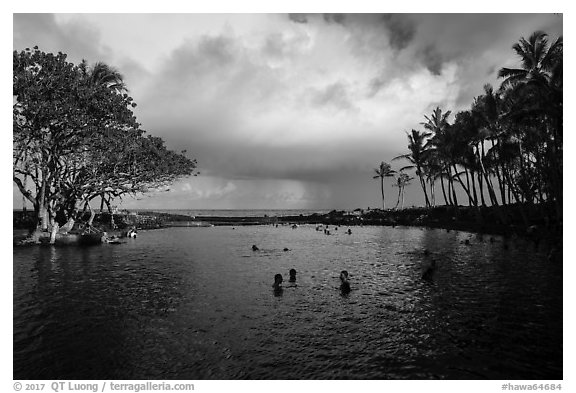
(507,148)
(76,139)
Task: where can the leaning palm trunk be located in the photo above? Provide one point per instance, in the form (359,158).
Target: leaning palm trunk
(443,190)
(453,190)
(481,188)
(423,184)
(489,186)
(474,193)
(450,190)
(399,192)
(497,168)
(470,201)
(461,183)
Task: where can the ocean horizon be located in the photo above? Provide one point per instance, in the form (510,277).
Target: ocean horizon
(238,212)
(227,212)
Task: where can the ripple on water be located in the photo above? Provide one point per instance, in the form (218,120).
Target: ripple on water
(197,303)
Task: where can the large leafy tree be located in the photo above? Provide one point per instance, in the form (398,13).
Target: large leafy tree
(75,137)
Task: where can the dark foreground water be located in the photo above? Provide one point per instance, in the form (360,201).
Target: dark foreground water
(197,303)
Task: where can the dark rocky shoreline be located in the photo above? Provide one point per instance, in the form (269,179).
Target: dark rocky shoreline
(512,220)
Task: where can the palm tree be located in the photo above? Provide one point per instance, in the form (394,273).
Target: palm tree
(401,182)
(438,122)
(534,110)
(418,156)
(438,125)
(101,74)
(539,61)
(385,170)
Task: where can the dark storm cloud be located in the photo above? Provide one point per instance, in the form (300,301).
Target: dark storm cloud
(238,159)
(432,59)
(298,18)
(401,30)
(328,18)
(334,18)
(314,98)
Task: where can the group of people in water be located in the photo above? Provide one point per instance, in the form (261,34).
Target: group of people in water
(115,239)
(320,228)
(326,229)
(278,280)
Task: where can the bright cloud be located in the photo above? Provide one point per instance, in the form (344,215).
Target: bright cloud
(288,110)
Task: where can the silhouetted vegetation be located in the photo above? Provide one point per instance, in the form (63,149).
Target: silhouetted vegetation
(507,148)
(76,139)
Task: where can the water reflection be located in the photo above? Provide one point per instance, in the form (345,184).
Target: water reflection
(192,303)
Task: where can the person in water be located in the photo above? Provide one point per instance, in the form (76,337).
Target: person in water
(344,283)
(132,232)
(292,275)
(254,248)
(277,283)
(429,272)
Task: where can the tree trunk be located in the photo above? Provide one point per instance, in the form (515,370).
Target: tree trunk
(109,206)
(68,226)
(454,197)
(443,190)
(450,186)
(423,184)
(470,201)
(42,212)
(382,189)
(499,167)
(491,192)
(462,184)
(474,193)
(53,233)
(481,187)
(24,196)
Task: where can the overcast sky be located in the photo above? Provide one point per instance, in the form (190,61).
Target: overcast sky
(287,111)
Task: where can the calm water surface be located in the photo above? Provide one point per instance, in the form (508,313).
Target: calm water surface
(197,303)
